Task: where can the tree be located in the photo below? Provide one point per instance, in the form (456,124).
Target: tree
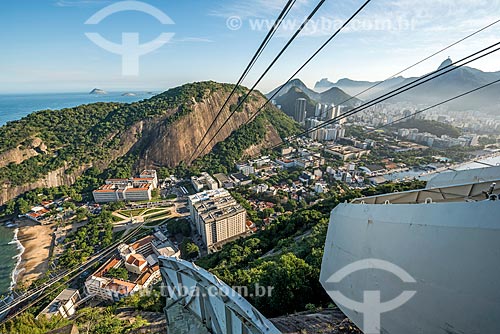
(189,250)
(23,206)
(289,278)
(179,226)
(10,207)
(120,273)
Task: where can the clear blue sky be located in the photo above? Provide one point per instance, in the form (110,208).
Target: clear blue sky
(44,47)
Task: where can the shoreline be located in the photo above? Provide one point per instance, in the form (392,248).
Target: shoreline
(17,268)
(33,261)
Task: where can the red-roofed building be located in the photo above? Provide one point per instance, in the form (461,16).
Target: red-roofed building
(133,189)
(134,258)
(136,263)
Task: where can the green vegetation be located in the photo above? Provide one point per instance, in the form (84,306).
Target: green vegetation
(189,250)
(156,222)
(27,324)
(288,100)
(225,154)
(163,214)
(434,127)
(286,255)
(150,302)
(417,158)
(120,273)
(91,320)
(151,211)
(179,226)
(77,136)
(94,236)
(133,213)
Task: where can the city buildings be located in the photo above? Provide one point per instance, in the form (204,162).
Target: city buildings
(140,260)
(217,216)
(346,152)
(224,181)
(205,181)
(132,189)
(245,168)
(330,132)
(300,110)
(432,140)
(63,305)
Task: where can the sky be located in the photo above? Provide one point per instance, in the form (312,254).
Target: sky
(44,46)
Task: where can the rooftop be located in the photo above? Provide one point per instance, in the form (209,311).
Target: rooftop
(142,242)
(136,260)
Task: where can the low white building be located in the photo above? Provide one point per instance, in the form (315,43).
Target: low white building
(64,304)
(133,189)
(321,187)
(205,181)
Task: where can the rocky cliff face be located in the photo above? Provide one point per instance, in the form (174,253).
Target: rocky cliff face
(161,140)
(53,179)
(168,145)
(20,154)
(61,176)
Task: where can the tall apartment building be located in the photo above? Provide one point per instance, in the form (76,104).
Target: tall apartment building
(217,217)
(300,110)
(320,111)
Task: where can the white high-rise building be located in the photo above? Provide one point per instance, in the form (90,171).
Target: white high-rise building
(320,111)
(300,110)
(217,217)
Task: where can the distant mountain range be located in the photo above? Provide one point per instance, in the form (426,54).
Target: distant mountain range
(296,89)
(295,83)
(449,85)
(354,87)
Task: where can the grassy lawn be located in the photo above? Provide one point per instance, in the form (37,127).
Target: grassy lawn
(160,221)
(134,213)
(151,211)
(117,219)
(156,215)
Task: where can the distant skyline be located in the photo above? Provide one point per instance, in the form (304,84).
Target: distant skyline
(44,47)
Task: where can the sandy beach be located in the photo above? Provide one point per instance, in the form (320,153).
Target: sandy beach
(36,239)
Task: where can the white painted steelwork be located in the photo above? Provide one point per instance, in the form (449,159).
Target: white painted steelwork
(221,309)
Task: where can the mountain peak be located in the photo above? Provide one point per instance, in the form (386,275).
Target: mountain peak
(297,82)
(446,63)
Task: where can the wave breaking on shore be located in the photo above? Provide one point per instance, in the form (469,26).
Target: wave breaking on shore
(17,270)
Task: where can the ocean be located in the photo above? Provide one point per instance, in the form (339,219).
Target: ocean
(10,251)
(17,106)
(14,107)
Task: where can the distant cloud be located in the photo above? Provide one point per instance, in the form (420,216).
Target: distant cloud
(192,40)
(255,8)
(80,3)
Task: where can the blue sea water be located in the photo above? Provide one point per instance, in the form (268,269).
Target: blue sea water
(10,251)
(16,106)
